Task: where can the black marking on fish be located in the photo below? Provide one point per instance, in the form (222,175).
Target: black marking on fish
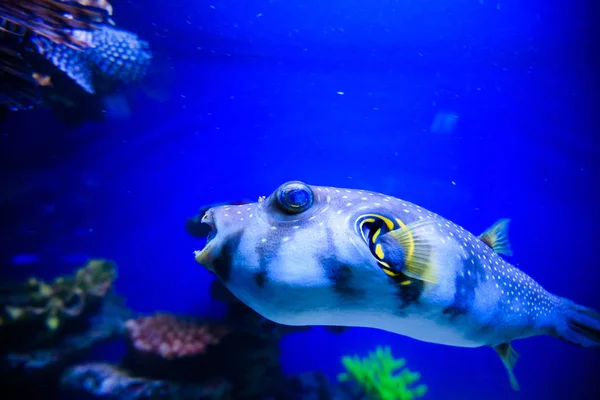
(340,274)
(465,285)
(266,252)
(260,278)
(223,263)
(408,294)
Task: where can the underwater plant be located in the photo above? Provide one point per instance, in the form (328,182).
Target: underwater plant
(377,377)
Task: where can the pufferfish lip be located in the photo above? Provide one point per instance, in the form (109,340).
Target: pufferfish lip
(208,219)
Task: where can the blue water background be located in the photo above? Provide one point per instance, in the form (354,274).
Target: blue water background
(476,110)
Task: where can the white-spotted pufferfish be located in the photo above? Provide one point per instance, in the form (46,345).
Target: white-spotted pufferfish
(314,255)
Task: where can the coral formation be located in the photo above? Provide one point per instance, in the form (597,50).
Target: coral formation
(106,325)
(184,351)
(112,382)
(172,337)
(66,297)
(376,375)
(33,369)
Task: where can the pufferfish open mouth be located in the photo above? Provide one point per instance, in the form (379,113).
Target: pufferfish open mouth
(201,256)
(213,228)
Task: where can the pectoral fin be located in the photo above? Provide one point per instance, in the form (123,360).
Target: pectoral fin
(509,358)
(408,250)
(496,237)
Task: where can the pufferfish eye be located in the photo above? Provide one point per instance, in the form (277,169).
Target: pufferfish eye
(295,198)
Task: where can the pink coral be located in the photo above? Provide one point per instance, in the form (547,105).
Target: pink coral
(171,337)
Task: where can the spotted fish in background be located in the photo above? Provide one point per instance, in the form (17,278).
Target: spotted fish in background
(78,37)
(61,22)
(310,255)
(115,54)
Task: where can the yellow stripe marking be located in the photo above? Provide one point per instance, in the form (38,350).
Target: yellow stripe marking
(388,222)
(377,232)
(370,220)
(379,251)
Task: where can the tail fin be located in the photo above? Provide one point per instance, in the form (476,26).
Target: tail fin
(581,327)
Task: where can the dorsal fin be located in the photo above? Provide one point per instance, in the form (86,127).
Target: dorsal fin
(496,236)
